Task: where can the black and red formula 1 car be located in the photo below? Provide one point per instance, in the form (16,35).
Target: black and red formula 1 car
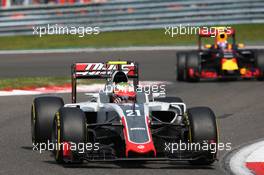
(119,125)
(222,60)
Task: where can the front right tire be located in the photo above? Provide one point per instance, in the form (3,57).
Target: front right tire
(260,65)
(203,129)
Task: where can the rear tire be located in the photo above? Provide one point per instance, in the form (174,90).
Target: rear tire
(260,64)
(69,126)
(193,63)
(181,66)
(42,114)
(203,127)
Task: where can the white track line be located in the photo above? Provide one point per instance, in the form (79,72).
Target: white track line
(238,160)
(119,49)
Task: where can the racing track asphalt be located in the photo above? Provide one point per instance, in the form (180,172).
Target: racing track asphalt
(238,106)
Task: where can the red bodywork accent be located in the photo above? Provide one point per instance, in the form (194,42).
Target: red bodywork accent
(191,72)
(131,70)
(66,151)
(81,66)
(256,167)
(258,73)
(139,148)
(208,74)
(251,73)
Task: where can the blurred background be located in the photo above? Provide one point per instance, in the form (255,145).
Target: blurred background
(134,22)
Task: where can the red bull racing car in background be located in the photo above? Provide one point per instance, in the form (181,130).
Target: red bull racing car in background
(222,60)
(120,125)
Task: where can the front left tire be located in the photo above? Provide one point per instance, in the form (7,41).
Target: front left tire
(43,111)
(69,128)
(203,130)
(181,66)
(193,64)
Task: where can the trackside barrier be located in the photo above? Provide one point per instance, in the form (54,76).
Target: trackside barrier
(118,15)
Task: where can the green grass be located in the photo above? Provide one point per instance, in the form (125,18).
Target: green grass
(247,33)
(33,82)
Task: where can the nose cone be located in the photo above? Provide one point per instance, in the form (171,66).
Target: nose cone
(229,64)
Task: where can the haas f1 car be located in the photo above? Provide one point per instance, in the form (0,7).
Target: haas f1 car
(222,60)
(118,125)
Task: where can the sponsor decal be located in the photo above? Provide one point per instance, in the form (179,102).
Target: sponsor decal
(83,69)
(132,129)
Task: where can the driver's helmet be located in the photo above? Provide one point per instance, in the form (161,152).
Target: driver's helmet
(221,39)
(124,93)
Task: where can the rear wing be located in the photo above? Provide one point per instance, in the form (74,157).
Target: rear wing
(102,71)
